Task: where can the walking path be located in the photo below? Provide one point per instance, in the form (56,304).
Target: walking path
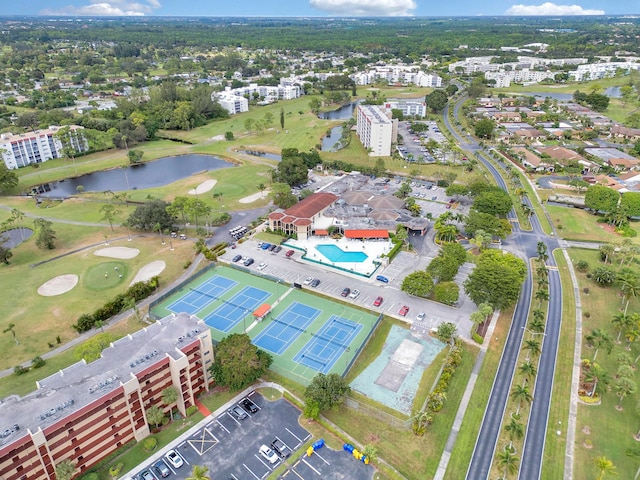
(464,403)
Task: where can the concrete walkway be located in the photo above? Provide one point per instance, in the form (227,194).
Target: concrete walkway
(464,403)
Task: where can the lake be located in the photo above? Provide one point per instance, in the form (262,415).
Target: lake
(135,177)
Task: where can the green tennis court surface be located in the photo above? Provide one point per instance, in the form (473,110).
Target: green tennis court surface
(304,333)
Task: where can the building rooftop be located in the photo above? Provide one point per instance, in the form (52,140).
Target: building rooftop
(78,385)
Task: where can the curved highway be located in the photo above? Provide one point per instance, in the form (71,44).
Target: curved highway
(525,243)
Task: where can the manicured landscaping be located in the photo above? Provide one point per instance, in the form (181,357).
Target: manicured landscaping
(578,224)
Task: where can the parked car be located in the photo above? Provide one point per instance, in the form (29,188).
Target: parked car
(289,253)
(403,311)
(265,246)
(237,258)
(354,293)
(237,412)
(248,262)
(272,247)
(174,459)
(278,249)
(377,302)
(382,278)
(249,406)
(315,282)
(262,266)
(280,448)
(162,469)
(345,292)
(147,475)
(308,280)
(420,317)
(268,454)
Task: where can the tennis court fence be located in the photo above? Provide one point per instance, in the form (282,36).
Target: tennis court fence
(177,288)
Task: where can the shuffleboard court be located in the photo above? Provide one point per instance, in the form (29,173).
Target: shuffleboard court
(286,328)
(199,297)
(328,344)
(230,313)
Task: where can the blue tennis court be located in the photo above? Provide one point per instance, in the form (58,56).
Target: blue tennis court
(201,296)
(286,328)
(229,314)
(328,344)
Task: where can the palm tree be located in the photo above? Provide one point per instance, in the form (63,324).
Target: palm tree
(536,325)
(520,394)
(528,369)
(169,397)
(515,430)
(598,376)
(508,461)
(629,287)
(533,348)
(604,466)
(624,387)
(158,228)
(542,296)
(599,338)
(606,251)
(10,328)
(621,322)
(199,472)
(262,188)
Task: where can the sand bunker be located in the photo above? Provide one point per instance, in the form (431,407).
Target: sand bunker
(149,271)
(123,253)
(204,187)
(58,285)
(254,197)
(217,138)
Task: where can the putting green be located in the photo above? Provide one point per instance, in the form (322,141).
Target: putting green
(105,275)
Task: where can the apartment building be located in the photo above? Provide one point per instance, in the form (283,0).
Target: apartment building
(410,108)
(375,130)
(87,411)
(231,102)
(22,149)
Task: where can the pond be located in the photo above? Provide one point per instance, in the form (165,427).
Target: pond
(14,237)
(331,142)
(343,113)
(258,153)
(135,177)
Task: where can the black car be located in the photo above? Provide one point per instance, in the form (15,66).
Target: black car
(237,258)
(315,282)
(280,448)
(237,412)
(272,247)
(345,292)
(249,406)
(248,262)
(278,249)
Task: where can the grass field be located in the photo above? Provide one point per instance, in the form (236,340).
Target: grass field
(578,224)
(610,431)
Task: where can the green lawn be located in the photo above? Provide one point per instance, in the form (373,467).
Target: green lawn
(578,224)
(610,431)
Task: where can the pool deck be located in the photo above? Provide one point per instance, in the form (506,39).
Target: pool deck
(374,249)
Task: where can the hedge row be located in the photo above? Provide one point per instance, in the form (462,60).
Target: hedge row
(436,399)
(136,292)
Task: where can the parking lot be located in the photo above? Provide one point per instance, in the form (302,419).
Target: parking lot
(330,464)
(292,270)
(229,445)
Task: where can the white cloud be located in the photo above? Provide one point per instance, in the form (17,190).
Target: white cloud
(549,8)
(126,8)
(372,8)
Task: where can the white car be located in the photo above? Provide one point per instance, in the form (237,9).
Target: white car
(420,317)
(174,459)
(354,293)
(268,454)
(308,280)
(262,266)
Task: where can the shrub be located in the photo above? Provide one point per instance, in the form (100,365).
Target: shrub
(477,338)
(187,264)
(446,292)
(150,443)
(582,266)
(586,290)
(38,362)
(626,231)
(191,410)
(19,370)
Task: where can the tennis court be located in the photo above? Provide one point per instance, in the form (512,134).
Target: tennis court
(328,344)
(286,328)
(231,312)
(199,297)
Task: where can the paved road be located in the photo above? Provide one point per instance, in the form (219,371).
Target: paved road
(524,244)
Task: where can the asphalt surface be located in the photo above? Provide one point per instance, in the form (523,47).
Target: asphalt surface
(523,244)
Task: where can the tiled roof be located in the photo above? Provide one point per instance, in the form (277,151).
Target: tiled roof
(311,205)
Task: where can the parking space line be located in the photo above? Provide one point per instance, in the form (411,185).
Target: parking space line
(222,426)
(251,472)
(234,477)
(311,466)
(299,476)
(320,457)
(295,436)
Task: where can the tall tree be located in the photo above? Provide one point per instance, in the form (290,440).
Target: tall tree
(238,363)
(601,199)
(8,179)
(282,118)
(46,235)
(65,470)
(11,328)
(508,461)
(326,391)
(496,280)
(169,397)
(154,415)
(109,213)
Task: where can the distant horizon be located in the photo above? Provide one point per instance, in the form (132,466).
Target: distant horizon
(323,17)
(319,8)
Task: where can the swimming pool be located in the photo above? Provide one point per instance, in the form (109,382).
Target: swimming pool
(336,254)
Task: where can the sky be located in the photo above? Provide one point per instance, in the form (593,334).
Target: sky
(318,8)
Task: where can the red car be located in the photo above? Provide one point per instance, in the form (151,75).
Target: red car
(403,311)
(377,302)
(289,253)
